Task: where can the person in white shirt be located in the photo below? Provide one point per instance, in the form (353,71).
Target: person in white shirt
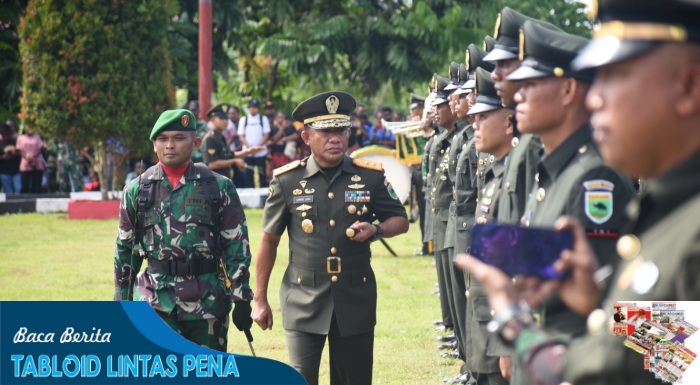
(254,130)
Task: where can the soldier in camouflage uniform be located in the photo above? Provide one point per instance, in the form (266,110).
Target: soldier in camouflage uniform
(198,255)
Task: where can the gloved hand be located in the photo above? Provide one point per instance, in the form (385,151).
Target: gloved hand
(241,315)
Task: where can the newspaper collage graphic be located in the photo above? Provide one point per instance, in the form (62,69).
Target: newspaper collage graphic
(659,331)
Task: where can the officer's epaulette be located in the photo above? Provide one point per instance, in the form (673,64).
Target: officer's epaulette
(377,166)
(286,167)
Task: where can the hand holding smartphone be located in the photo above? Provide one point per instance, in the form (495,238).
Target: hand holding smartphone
(521,250)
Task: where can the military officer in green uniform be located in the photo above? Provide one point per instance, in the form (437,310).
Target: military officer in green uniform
(196,244)
(439,216)
(493,131)
(654,45)
(520,168)
(462,134)
(493,135)
(441,195)
(327,202)
(522,159)
(463,171)
(216,154)
(571,178)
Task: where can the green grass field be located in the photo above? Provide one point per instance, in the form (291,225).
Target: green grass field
(48,257)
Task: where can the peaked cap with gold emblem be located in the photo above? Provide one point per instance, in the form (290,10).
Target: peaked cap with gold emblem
(326,110)
(439,84)
(453,74)
(174,120)
(220,110)
(486,97)
(629,28)
(548,53)
(508,24)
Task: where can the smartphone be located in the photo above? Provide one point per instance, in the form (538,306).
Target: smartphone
(521,250)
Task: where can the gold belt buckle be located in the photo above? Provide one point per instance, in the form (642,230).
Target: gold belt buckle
(328,265)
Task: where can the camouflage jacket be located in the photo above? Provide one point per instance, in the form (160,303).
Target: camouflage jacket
(179,227)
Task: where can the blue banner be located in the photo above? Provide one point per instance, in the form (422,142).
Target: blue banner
(115,343)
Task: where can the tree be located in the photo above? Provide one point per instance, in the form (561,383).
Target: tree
(96,72)
(10,66)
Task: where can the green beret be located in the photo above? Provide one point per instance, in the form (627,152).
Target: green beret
(174,120)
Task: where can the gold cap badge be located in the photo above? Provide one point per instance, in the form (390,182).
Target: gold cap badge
(332,104)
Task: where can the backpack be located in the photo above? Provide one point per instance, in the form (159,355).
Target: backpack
(246,123)
(147,192)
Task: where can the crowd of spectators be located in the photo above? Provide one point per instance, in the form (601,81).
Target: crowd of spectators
(28,164)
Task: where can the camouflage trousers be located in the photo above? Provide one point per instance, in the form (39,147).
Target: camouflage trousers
(208,332)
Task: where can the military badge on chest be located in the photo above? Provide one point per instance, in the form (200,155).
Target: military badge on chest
(598,200)
(307,225)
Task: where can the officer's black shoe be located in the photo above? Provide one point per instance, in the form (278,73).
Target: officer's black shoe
(447,338)
(449,346)
(453,354)
(460,379)
(437,322)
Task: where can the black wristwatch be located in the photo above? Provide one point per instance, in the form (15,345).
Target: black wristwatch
(378,235)
(510,321)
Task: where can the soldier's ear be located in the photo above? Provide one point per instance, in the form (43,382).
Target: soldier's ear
(305,136)
(509,123)
(154,145)
(197,142)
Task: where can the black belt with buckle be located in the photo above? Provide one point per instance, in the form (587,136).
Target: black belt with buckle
(333,264)
(179,268)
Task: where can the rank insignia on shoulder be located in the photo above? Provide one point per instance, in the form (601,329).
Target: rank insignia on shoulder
(211,151)
(377,166)
(286,167)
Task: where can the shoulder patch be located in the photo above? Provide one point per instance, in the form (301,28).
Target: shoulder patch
(376,166)
(286,167)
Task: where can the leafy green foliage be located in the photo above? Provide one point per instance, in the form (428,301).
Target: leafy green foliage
(10,64)
(95,71)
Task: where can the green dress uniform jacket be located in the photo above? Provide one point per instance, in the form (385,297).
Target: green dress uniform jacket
(463,133)
(327,271)
(179,230)
(489,194)
(661,260)
(437,236)
(519,177)
(214,148)
(465,193)
(441,186)
(573,180)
